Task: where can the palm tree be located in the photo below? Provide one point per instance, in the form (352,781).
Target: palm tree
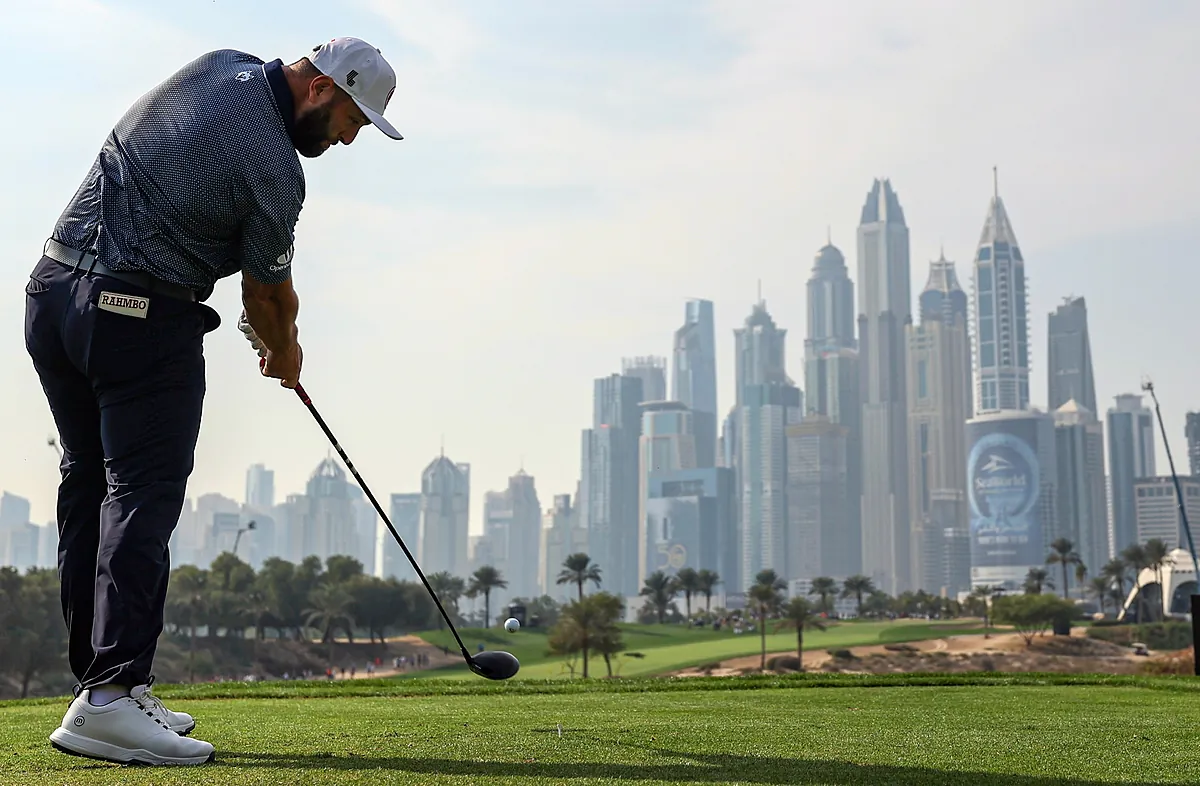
(1062,552)
(1081,574)
(766,595)
(687,580)
(1115,571)
(707,581)
(823,587)
(594,617)
(1099,587)
(1136,558)
(329,607)
(659,591)
(449,588)
(856,587)
(801,615)
(483,581)
(578,569)
(1036,580)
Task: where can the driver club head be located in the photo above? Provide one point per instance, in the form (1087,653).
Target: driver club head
(494,664)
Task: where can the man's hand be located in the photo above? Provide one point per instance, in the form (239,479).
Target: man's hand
(283,366)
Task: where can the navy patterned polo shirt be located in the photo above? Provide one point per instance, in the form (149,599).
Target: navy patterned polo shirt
(199,180)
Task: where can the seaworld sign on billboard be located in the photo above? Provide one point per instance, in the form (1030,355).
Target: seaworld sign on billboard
(1004,489)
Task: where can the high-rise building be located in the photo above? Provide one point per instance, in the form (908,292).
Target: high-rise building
(1156,507)
(1070,357)
(652,371)
(1192,433)
(445,494)
(390,560)
(884,308)
(694,383)
(939,396)
(832,379)
(1012,478)
(260,487)
(1001,318)
(690,522)
(819,541)
(524,536)
(768,402)
(1130,429)
(608,498)
(332,522)
(14,511)
(667,443)
(1082,505)
(561,537)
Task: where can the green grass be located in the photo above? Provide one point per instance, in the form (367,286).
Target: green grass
(670,647)
(965,730)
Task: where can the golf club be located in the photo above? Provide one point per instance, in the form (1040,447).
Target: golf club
(494,665)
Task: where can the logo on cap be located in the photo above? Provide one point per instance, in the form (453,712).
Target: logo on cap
(350,78)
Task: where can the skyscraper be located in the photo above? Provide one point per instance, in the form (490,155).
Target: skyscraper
(260,487)
(1130,457)
(390,561)
(694,383)
(330,526)
(652,371)
(524,536)
(445,493)
(561,537)
(667,443)
(690,518)
(1192,433)
(1082,506)
(832,380)
(608,498)
(818,519)
(1001,318)
(1070,357)
(768,403)
(939,396)
(884,308)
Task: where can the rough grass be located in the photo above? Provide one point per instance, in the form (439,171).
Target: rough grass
(999,730)
(667,648)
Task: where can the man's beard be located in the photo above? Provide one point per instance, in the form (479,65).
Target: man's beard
(311,131)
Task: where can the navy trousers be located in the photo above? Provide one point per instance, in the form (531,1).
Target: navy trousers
(126,393)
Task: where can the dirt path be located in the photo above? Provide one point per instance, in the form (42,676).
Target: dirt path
(815,660)
(405,645)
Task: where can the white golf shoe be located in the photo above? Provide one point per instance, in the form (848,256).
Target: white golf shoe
(130,730)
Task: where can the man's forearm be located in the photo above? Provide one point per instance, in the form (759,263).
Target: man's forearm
(273,318)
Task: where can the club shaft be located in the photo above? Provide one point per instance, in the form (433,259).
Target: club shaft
(379,509)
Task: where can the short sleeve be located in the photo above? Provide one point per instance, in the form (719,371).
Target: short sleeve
(268,229)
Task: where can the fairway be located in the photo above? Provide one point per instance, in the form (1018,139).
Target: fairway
(667,648)
(1006,731)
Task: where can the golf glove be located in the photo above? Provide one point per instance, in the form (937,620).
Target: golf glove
(251,336)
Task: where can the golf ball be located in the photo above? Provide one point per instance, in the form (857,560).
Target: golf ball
(511,625)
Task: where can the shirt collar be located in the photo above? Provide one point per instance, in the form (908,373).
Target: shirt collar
(283,94)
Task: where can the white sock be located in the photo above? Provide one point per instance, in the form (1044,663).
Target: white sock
(106,694)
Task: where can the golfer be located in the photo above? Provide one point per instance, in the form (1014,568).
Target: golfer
(198,181)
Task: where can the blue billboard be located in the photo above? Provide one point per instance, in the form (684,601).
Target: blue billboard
(1003,487)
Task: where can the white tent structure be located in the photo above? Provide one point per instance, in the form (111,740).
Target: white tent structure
(1178,576)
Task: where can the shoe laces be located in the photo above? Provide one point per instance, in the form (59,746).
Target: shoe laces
(151,704)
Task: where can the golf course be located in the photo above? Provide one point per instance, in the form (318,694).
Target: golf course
(652,650)
(1012,730)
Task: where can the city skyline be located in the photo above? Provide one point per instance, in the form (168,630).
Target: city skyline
(520,266)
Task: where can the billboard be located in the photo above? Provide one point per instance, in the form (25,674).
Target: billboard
(1004,483)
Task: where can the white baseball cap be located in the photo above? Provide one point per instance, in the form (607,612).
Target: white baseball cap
(360,70)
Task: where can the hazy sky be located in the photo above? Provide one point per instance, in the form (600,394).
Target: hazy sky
(572,172)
